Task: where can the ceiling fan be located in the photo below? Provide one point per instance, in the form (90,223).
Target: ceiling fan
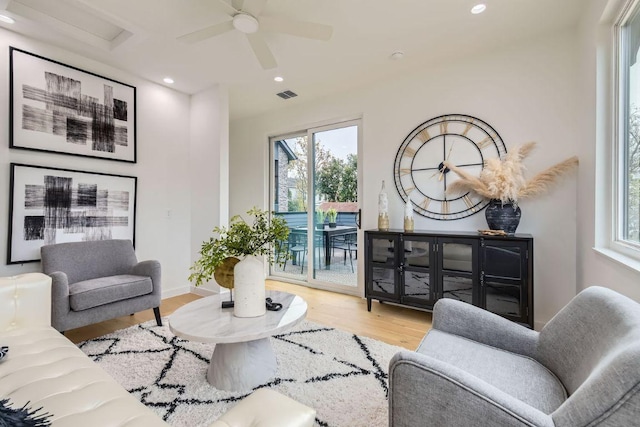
(246,18)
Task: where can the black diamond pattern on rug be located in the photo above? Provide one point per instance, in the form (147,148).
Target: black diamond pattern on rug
(342,375)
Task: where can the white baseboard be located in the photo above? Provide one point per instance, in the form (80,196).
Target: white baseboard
(174,292)
(202,291)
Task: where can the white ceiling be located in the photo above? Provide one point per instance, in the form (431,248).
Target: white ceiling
(139,36)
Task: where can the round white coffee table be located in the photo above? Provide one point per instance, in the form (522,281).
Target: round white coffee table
(242,358)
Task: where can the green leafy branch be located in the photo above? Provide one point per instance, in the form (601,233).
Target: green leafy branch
(262,238)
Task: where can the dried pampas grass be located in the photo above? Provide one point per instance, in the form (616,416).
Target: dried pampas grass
(504,179)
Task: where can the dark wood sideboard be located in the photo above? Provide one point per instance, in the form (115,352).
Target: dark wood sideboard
(418,268)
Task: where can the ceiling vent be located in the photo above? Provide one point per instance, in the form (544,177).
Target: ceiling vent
(286,94)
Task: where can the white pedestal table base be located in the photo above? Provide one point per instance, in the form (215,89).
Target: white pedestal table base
(242,366)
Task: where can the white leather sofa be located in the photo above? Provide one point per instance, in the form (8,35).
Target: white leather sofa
(45,369)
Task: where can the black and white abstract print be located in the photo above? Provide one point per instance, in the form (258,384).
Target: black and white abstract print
(63,109)
(54,206)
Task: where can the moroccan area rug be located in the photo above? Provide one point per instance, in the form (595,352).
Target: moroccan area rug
(341,375)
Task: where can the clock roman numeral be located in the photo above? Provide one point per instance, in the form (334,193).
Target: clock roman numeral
(425,203)
(467,201)
(405,171)
(443,127)
(409,152)
(467,128)
(485,142)
(444,209)
(423,136)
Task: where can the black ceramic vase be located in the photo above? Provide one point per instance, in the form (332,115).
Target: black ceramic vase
(502,216)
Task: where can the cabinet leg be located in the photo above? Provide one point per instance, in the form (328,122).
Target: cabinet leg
(368,304)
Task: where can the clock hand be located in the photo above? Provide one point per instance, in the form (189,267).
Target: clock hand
(437,169)
(449,154)
(444,167)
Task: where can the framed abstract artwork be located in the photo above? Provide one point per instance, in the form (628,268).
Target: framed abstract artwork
(61,109)
(50,205)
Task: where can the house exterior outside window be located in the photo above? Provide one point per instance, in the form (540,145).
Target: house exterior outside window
(282,156)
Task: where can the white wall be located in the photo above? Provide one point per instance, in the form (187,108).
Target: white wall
(164,169)
(527,92)
(209,167)
(594,183)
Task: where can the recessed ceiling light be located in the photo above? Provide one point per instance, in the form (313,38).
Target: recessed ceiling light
(397,55)
(168,80)
(278,79)
(7,19)
(479,8)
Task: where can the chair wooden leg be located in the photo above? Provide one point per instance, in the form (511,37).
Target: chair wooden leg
(156,312)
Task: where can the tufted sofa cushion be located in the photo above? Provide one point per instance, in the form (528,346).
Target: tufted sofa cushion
(47,370)
(25,300)
(267,408)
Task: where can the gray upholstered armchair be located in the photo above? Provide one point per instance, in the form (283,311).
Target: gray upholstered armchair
(477,369)
(99,280)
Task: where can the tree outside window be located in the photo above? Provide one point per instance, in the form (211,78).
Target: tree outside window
(628,209)
(632,170)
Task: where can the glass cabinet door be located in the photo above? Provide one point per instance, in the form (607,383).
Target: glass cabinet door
(504,275)
(458,259)
(382,271)
(418,271)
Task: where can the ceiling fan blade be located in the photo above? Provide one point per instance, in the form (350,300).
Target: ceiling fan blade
(254,7)
(309,30)
(262,51)
(230,9)
(207,32)
(238,4)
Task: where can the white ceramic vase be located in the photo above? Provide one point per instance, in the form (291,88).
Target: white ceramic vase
(249,288)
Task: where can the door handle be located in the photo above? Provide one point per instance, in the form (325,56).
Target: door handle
(358,223)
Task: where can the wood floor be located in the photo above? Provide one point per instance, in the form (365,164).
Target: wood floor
(392,324)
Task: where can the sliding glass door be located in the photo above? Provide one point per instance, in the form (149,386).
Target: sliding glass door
(314,186)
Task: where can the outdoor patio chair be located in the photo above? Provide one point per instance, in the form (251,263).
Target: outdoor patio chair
(297,247)
(348,244)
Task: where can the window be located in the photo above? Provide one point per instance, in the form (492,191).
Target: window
(627,151)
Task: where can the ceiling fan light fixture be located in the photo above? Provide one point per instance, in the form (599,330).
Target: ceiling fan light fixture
(245,23)
(278,79)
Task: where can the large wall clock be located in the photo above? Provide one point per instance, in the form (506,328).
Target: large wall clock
(419,171)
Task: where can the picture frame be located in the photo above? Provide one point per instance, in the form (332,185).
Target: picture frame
(52,205)
(62,109)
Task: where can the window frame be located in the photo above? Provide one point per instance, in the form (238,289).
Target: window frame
(618,242)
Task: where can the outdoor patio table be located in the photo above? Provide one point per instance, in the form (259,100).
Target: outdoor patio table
(328,233)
